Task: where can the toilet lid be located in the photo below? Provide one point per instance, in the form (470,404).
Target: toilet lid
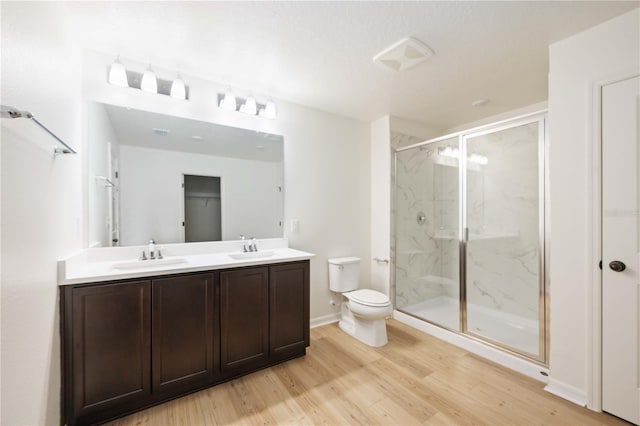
(368,297)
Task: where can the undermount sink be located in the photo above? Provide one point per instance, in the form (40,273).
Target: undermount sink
(251,255)
(136,264)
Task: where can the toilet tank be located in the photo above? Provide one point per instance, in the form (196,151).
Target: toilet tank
(343,274)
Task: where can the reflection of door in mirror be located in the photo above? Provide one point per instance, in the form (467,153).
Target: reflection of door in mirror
(202,208)
(139,195)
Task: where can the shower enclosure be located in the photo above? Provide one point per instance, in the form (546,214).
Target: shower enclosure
(469,234)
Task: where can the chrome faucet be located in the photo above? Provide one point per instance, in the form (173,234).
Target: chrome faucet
(152,246)
(253,246)
(244,244)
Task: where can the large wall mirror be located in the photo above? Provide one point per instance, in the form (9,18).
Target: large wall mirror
(174,180)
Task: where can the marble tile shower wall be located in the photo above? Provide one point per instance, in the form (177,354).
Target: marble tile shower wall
(426,252)
(502,254)
(398,140)
(503,221)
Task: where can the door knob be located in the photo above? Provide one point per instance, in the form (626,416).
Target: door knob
(617,266)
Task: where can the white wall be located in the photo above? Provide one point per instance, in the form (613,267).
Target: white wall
(381,203)
(152,199)
(41,206)
(327,164)
(579,65)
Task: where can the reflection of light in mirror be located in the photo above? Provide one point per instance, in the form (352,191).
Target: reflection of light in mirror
(196,138)
(478,159)
(448,151)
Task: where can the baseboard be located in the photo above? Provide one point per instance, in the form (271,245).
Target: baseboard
(505,359)
(567,392)
(325,319)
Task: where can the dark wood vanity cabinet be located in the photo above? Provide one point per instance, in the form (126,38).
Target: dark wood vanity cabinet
(107,340)
(244,319)
(131,344)
(289,309)
(184,333)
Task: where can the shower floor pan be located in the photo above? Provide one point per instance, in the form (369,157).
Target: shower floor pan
(508,329)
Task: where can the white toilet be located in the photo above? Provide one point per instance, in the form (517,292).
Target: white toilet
(364,311)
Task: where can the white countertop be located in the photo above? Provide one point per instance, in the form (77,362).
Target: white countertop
(116,263)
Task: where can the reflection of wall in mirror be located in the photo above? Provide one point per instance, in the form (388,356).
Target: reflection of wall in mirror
(151,197)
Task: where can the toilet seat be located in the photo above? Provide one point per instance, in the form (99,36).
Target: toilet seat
(368,297)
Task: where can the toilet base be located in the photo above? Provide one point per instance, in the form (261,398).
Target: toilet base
(369,332)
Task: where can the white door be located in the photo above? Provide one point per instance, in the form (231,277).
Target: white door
(621,249)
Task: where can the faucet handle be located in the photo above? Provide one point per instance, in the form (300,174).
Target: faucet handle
(253,246)
(242,237)
(152,241)
(144,255)
(159,254)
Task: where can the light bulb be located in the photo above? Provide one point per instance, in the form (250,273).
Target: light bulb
(117,74)
(269,111)
(249,107)
(178,89)
(149,82)
(229,101)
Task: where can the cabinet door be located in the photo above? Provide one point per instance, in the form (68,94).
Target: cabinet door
(289,309)
(109,326)
(244,316)
(184,341)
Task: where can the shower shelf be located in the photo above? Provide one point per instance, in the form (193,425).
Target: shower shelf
(11,112)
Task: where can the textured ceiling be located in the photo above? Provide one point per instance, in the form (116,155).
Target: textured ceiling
(319,54)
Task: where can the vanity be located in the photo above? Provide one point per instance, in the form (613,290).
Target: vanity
(137,333)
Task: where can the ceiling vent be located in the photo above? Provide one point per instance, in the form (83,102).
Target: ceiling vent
(404,54)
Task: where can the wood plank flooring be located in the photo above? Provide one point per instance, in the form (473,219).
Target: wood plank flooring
(414,380)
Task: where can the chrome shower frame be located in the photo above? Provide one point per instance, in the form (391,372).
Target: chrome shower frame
(540,117)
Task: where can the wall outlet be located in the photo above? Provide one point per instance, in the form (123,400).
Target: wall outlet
(295,226)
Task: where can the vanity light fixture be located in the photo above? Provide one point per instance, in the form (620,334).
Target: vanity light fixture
(118,74)
(149,82)
(178,90)
(229,101)
(249,106)
(269,111)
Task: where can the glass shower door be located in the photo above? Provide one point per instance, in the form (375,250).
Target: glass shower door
(427,232)
(502,222)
